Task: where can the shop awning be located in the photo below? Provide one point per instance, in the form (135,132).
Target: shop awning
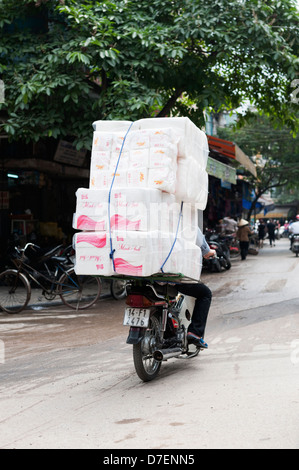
(231,150)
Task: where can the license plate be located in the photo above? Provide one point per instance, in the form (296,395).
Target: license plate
(137,317)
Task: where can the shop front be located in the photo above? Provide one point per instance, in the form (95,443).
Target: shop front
(225,167)
(37,198)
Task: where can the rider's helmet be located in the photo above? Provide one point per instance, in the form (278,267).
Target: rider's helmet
(297,216)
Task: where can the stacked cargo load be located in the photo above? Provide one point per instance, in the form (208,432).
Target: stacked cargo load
(139,216)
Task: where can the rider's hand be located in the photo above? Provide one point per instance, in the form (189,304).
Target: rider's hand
(211,254)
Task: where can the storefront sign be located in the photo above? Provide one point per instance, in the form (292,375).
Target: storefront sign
(67,153)
(221,171)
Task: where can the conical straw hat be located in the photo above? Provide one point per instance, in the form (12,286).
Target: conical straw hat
(243,222)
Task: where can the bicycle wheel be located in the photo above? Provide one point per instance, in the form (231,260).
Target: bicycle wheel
(77,291)
(15,291)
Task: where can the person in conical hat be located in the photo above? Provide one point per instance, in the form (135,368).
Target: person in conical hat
(242,223)
(243,236)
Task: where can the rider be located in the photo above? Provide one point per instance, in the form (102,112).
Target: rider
(203,297)
(294,229)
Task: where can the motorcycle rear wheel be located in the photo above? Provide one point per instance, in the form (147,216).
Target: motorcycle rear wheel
(147,368)
(118,289)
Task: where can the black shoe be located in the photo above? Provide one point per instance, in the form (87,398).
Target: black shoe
(196,340)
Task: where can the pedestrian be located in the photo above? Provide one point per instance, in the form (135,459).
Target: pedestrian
(271,231)
(262,232)
(243,237)
(231,225)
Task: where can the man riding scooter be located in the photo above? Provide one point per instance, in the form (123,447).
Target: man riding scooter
(294,230)
(203,298)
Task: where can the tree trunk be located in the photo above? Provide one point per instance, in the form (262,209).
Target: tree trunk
(253,205)
(170,103)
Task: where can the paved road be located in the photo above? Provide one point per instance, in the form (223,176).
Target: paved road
(68,381)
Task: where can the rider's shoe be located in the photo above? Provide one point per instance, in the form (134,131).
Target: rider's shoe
(196,340)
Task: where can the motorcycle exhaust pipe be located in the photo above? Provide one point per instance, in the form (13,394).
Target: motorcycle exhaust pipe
(164,354)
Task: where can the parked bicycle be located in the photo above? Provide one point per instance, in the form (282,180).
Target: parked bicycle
(49,272)
(118,287)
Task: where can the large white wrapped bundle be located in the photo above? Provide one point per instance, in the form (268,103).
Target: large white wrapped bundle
(130,209)
(136,254)
(191,183)
(139,159)
(185,258)
(154,164)
(192,141)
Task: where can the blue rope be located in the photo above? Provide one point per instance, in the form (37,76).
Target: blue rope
(111,254)
(176,236)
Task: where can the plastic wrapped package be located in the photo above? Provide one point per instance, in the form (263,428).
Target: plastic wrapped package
(163,178)
(139,140)
(162,156)
(136,253)
(100,161)
(130,209)
(185,258)
(191,182)
(121,142)
(192,142)
(103,179)
(139,254)
(122,162)
(102,141)
(137,177)
(189,223)
(139,158)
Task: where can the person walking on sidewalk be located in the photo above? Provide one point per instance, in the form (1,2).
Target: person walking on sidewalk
(262,233)
(271,231)
(243,237)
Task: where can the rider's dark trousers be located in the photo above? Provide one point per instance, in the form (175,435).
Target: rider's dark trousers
(203,297)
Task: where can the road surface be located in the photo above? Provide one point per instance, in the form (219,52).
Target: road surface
(68,381)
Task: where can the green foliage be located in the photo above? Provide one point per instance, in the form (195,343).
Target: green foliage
(278,166)
(67,63)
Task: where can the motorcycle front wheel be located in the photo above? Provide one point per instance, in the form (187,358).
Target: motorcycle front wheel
(147,368)
(227,263)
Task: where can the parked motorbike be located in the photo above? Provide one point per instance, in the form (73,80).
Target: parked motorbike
(295,245)
(222,258)
(158,319)
(233,245)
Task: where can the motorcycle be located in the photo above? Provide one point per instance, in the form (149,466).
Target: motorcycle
(295,245)
(158,319)
(222,258)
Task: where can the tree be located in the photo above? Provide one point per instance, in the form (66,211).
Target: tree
(67,63)
(274,151)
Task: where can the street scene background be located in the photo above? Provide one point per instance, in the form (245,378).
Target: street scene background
(68,380)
